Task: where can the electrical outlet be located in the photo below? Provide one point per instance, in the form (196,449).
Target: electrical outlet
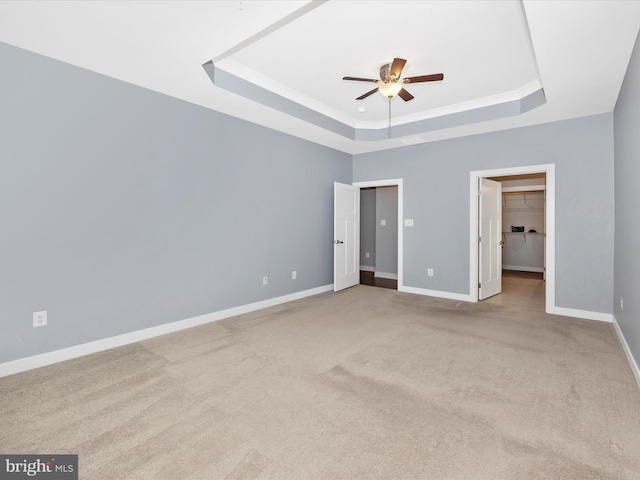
(430,272)
(294,275)
(40,319)
(366,255)
(621,304)
(265,280)
(383,222)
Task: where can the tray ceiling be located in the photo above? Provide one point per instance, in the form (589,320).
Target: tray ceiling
(281,63)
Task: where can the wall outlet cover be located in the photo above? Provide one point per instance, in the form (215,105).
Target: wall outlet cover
(40,318)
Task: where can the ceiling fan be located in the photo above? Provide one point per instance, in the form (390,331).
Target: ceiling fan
(390,82)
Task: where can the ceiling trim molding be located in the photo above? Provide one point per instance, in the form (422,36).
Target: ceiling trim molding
(271,28)
(499,106)
(506,108)
(250,90)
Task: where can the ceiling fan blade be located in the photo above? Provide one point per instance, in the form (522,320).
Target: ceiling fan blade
(396,67)
(406,96)
(424,78)
(358,79)
(361,97)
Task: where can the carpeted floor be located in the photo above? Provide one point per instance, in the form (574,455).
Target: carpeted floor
(367,383)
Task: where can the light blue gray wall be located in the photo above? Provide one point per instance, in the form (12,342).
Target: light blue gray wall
(387,235)
(627,198)
(123,209)
(436,197)
(368,227)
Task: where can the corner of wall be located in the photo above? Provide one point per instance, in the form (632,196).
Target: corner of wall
(627,351)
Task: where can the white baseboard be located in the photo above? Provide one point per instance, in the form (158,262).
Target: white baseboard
(49,358)
(523,269)
(585,314)
(390,276)
(627,351)
(366,268)
(435,293)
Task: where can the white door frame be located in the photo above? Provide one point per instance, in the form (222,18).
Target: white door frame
(396,182)
(550,227)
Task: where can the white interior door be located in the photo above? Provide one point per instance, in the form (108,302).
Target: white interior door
(346,236)
(490,239)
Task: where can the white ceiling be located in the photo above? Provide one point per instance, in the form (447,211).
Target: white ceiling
(490,52)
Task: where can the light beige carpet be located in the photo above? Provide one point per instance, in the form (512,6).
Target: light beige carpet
(364,384)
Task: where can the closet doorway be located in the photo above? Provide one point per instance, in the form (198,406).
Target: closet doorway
(476,273)
(379,236)
(523,240)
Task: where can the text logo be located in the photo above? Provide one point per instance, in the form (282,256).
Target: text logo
(50,467)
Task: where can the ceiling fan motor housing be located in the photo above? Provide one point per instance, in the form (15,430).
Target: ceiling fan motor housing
(384,72)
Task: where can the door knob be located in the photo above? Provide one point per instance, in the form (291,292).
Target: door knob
(338,242)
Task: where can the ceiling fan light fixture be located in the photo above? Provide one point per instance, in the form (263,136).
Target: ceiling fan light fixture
(390,89)
(391,81)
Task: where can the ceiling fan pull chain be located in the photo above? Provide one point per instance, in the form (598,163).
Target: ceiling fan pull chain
(389,117)
(391,83)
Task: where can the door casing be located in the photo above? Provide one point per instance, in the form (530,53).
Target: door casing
(396,182)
